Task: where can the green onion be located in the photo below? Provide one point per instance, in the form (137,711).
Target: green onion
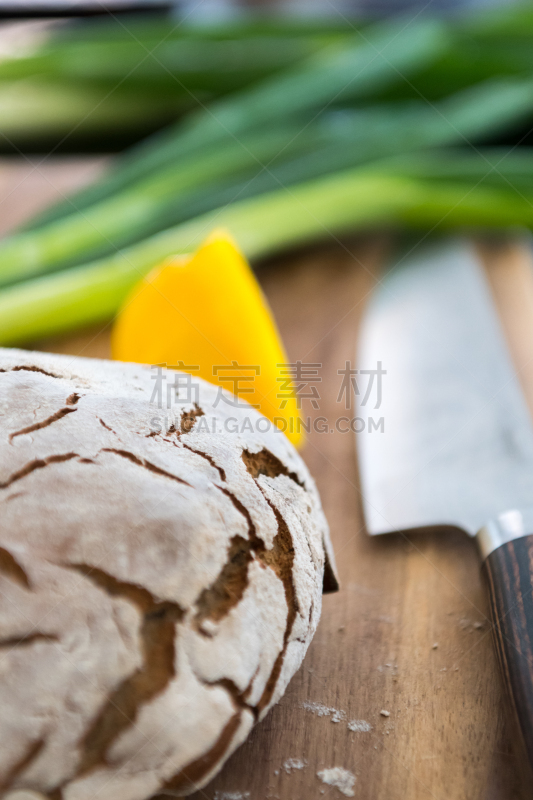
(343,71)
(114,78)
(294,153)
(326,207)
(168,67)
(314,133)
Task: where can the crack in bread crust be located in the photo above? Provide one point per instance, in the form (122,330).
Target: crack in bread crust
(208,458)
(190,776)
(227,589)
(38,463)
(28,368)
(266,463)
(101,421)
(10,567)
(142,462)
(188,419)
(21,765)
(27,639)
(37,426)
(157,635)
(281,560)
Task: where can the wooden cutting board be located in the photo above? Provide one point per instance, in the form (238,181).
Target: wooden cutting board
(408,634)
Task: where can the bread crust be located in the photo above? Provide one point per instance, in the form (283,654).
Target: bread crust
(161,574)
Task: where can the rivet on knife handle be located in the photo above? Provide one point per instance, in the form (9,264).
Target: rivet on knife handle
(508,567)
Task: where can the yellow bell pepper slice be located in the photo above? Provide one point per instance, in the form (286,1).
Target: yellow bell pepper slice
(207,311)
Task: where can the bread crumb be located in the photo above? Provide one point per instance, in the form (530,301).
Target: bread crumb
(359,726)
(338,716)
(293,763)
(384,713)
(434,645)
(388,666)
(325,711)
(231,795)
(341,778)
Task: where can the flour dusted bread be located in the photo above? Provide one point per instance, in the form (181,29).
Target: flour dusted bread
(161,572)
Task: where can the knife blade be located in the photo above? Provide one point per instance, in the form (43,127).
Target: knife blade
(450,444)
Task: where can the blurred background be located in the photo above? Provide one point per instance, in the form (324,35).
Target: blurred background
(279,120)
(87,75)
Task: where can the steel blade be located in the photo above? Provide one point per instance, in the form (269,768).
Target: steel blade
(457,444)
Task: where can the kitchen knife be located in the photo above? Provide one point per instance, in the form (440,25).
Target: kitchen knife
(447,440)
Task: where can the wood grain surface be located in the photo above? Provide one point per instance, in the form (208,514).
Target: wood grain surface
(408,633)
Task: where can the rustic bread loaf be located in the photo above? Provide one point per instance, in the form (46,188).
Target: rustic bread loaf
(161,571)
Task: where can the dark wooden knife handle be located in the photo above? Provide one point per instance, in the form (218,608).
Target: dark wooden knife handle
(509,571)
